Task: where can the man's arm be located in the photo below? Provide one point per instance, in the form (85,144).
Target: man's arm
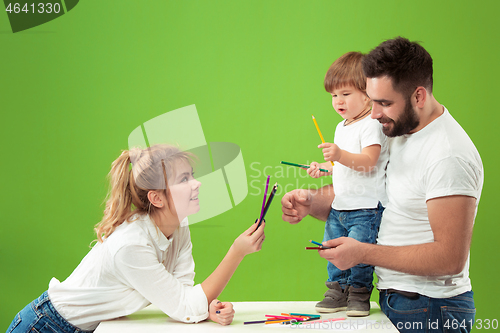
(299,203)
(322,202)
(451,219)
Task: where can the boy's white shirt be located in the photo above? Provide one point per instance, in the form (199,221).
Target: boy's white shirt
(439,160)
(355,189)
(134,267)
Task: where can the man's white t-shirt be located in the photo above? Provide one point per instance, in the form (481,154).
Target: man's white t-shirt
(358,189)
(437,161)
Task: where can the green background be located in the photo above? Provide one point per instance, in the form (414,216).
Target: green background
(72,90)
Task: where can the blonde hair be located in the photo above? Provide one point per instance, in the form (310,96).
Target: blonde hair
(346,71)
(129,186)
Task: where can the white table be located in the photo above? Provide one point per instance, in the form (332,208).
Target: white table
(151,319)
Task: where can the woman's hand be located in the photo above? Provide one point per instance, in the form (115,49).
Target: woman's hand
(249,241)
(221,312)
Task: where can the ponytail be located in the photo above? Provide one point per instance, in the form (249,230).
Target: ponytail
(119,200)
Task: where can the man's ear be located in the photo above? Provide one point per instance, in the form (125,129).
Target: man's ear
(420,96)
(156,199)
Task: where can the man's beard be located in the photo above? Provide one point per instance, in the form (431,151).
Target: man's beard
(407,122)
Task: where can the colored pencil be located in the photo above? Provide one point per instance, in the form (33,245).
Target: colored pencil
(265,195)
(302,166)
(319,132)
(264,321)
(324,247)
(301,315)
(305,315)
(320,321)
(255,322)
(285,317)
(315,248)
(277,321)
(304,322)
(268,203)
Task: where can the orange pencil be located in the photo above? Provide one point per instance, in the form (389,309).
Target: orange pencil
(319,132)
(276,321)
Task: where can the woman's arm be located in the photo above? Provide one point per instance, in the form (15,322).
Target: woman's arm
(248,242)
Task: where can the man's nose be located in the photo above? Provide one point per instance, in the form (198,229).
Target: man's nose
(376,111)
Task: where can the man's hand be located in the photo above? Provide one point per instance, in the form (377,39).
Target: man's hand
(296,205)
(345,252)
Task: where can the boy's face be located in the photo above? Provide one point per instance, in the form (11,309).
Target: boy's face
(349,102)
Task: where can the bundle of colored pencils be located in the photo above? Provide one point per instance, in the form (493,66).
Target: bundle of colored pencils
(285,318)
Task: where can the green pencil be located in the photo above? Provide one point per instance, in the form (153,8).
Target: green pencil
(302,166)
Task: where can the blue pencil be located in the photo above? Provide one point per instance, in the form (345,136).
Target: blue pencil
(319,244)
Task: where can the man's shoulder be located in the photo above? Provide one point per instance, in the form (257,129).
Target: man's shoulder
(455,139)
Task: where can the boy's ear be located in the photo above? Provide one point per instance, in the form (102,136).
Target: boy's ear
(420,96)
(155,199)
(368,101)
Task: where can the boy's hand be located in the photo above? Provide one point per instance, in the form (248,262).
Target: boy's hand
(221,312)
(331,152)
(314,170)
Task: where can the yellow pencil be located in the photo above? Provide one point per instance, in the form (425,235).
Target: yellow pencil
(319,132)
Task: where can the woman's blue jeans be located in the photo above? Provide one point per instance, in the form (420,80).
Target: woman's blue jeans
(362,225)
(41,316)
(418,313)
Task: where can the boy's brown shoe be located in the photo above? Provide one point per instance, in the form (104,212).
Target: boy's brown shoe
(358,302)
(335,299)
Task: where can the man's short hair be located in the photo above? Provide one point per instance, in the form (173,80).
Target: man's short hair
(407,63)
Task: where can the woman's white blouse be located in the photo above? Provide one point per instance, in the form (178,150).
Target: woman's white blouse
(135,266)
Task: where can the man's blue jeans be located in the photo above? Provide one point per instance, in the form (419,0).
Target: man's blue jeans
(41,316)
(362,225)
(418,313)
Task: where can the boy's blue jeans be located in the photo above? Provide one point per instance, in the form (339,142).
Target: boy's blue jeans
(41,316)
(430,315)
(362,225)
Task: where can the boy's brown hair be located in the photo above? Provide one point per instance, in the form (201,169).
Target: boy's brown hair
(346,71)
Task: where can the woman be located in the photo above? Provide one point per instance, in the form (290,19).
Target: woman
(143,253)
